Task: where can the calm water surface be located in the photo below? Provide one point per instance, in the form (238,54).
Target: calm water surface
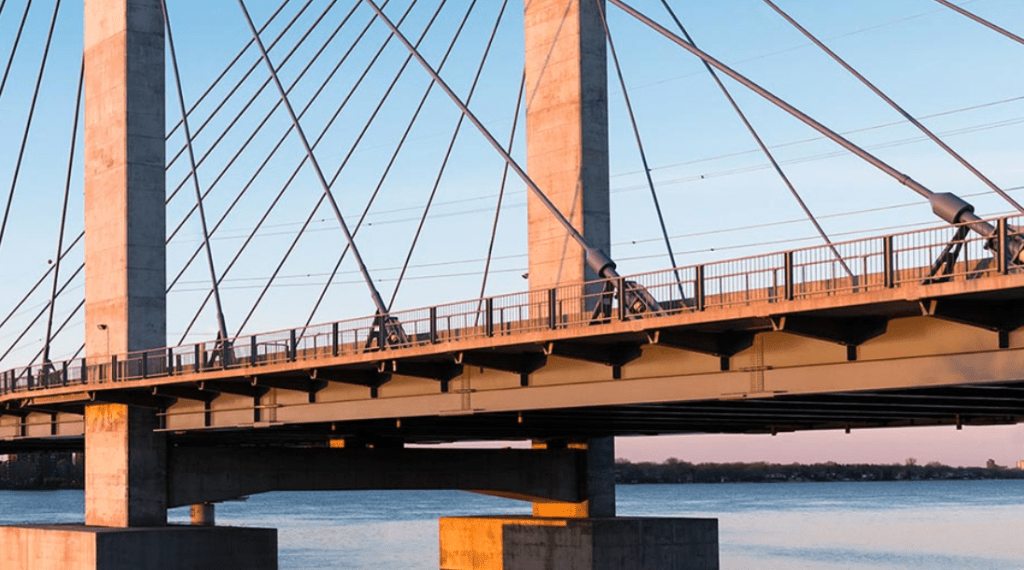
(928,525)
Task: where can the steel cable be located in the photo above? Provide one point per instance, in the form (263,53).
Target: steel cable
(640,147)
(259,91)
(981,21)
(63,216)
(906,115)
(14,48)
(447,156)
(387,170)
(239,55)
(295,172)
(221,325)
(344,162)
(501,190)
(597,260)
(31,116)
(271,154)
(245,108)
(764,148)
(315,164)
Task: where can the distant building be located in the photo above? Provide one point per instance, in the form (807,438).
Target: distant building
(1020,465)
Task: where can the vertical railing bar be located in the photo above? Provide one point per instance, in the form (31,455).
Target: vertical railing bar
(790,288)
(699,292)
(888,262)
(1001,249)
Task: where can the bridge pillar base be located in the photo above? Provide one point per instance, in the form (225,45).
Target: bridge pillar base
(77,547)
(536,543)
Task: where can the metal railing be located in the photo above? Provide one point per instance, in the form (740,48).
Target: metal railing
(872,264)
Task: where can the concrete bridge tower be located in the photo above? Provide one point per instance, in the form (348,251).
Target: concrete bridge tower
(125,303)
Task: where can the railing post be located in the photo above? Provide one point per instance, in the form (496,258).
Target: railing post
(620,290)
(253,350)
(113,368)
(199,358)
(552,309)
(380,331)
(170,362)
(293,346)
(433,325)
(85,372)
(1001,249)
(64,372)
(489,318)
(699,291)
(145,365)
(889,262)
(335,348)
(225,353)
(790,288)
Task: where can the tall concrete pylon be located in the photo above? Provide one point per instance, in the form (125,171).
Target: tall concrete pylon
(125,261)
(566,135)
(567,157)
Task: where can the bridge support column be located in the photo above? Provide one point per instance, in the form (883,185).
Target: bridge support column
(125,467)
(599,482)
(579,536)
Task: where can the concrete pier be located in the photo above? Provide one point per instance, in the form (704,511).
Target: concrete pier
(536,543)
(71,547)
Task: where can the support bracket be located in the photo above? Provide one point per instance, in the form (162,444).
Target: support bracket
(613,354)
(847,331)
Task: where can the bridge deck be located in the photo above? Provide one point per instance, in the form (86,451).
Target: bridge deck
(719,354)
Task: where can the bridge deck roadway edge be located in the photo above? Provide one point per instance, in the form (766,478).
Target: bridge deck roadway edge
(860,303)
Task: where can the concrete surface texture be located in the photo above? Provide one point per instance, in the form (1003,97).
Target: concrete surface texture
(598,484)
(532,543)
(71,547)
(125,467)
(125,274)
(566,135)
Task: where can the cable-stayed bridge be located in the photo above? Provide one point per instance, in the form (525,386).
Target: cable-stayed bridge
(213,215)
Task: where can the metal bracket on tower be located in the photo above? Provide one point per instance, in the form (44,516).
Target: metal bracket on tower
(387,332)
(944,265)
(633,300)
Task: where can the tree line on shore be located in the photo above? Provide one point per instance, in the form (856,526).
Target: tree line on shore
(676,471)
(61,470)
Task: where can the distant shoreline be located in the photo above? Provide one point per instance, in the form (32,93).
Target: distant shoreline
(54,471)
(679,472)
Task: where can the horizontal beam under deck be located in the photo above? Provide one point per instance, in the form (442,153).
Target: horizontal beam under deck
(917,355)
(203,474)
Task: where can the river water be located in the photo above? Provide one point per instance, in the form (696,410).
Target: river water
(918,525)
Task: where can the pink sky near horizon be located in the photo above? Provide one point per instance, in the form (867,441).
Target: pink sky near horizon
(971,446)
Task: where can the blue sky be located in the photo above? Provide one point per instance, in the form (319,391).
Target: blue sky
(720,197)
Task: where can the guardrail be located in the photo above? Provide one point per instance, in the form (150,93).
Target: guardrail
(891,261)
